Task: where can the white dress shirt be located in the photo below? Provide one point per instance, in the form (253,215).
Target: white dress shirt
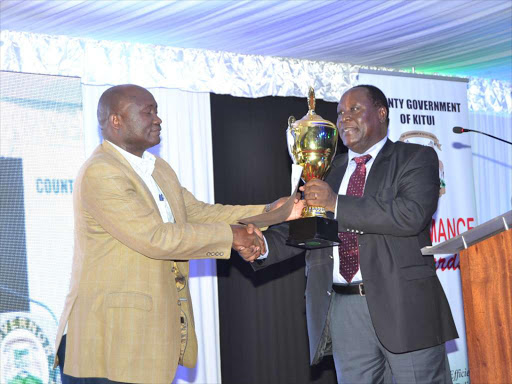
(144,167)
(351,167)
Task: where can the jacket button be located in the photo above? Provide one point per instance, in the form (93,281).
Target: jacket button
(330,256)
(328,293)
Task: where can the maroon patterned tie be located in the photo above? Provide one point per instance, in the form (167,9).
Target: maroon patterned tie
(349,248)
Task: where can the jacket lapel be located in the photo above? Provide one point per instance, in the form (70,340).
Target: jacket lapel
(171,189)
(127,168)
(378,171)
(376,176)
(335,175)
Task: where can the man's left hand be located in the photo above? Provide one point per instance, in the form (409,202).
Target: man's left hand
(319,194)
(297,206)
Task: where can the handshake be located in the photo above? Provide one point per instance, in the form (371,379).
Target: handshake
(248,242)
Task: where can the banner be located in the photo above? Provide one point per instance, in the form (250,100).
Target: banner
(41,150)
(424,111)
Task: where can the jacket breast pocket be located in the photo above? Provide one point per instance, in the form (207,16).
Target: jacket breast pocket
(136,300)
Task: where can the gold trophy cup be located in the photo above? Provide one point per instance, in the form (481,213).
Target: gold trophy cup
(312,144)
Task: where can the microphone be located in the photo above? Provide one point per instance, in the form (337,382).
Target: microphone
(459,130)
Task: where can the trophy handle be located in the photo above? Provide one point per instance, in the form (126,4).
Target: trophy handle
(290,138)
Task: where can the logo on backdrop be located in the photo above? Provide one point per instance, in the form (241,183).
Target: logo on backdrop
(429,139)
(26,355)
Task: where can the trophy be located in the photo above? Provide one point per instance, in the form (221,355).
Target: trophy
(312,143)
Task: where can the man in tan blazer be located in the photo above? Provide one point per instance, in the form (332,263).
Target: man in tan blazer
(128,311)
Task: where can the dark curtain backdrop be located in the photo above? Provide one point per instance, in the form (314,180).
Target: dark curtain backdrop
(263,333)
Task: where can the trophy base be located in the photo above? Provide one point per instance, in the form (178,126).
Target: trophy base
(313,233)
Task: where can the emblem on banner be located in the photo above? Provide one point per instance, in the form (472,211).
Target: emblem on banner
(429,139)
(26,355)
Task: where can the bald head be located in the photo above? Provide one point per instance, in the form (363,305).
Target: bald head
(113,100)
(128,118)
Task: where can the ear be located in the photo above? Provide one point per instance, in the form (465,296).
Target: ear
(382,114)
(115,121)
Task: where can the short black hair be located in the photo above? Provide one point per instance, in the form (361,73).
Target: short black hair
(377,96)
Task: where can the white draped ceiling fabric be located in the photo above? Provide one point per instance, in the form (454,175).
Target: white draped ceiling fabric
(181,79)
(107,62)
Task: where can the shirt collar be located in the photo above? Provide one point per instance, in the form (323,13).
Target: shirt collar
(144,164)
(373,151)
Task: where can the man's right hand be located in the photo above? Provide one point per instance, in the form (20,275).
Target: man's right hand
(319,194)
(248,241)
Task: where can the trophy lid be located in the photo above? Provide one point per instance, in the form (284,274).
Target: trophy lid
(311,118)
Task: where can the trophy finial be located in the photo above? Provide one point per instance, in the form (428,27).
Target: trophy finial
(311,100)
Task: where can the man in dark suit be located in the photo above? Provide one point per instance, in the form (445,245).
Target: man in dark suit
(374,302)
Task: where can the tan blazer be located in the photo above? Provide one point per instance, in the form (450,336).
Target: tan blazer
(123,307)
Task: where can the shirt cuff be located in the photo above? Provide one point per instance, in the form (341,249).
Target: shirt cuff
(265,255)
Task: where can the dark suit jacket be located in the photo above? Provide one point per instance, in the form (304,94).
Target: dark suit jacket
(407,304)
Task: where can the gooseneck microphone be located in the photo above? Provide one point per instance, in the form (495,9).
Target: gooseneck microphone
(462,130)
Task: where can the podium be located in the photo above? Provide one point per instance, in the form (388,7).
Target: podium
(486,272)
